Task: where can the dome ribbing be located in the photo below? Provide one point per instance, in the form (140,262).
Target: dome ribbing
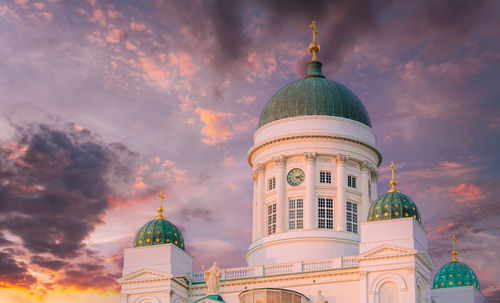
(314,95)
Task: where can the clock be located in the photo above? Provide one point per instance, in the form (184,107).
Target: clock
(295,176)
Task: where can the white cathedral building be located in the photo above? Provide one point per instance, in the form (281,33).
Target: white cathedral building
(321,233)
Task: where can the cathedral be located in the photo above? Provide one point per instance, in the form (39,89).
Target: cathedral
(321,233)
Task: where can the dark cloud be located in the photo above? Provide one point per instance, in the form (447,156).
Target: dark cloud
(55,186)
(13,272)
(89,279)
(55,183)
(222,29)
(188,213)
(216,27)
(48,263)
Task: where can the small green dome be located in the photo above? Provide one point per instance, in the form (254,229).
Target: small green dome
(159,231)
(314,95)
(455,274)
(393,205)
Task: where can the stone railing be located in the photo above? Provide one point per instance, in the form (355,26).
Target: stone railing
(279,269)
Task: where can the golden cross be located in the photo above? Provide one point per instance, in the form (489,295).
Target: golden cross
(314,46)
(315,32)
(160,210)
(454,252)
(393,179)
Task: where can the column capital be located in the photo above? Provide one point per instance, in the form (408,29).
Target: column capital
(364,166)
(374,175)
(259,168)
(363,274)
(310,157)
(341,159)
(255,177)
(280,161)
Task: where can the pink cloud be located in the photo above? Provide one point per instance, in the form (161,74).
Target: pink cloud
(216,127)
(98,16)
(186,103)
(466,193)
(155,74)
(115,35)
(247,100)
(229,161)
(137,26)
(186,66)
(246,125)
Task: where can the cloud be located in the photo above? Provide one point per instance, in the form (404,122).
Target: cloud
(247,100)
(48,263)
(466,193)
(54,188)
(216,127)
(14,273)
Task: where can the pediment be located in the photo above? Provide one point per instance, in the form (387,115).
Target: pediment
(144,275)
(387,251)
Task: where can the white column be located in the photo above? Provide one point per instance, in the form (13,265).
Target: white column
(365,195)
(340,201)
(280,194)
(374,185)
(309,205)
(255,177)
(261,169)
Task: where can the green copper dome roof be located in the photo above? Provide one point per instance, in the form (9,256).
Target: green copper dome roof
(314,95)
(393,205)
(455,274)
(159,231)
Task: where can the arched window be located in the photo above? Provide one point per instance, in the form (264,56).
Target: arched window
(388,293)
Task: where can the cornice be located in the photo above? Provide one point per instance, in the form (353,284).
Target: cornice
(254,148)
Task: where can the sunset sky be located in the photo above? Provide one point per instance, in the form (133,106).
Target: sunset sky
(103,103)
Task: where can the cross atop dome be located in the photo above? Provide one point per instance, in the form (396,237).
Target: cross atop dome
(160,209)
(314,46)
(454,252)
(393,179)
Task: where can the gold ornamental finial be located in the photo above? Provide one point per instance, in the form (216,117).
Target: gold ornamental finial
(393,180)
(160,210)
(314,46)
(454,252)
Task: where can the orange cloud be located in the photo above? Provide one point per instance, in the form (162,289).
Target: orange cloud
(98,16)
(155,74)
(466,193)
(115,35)
(216,128)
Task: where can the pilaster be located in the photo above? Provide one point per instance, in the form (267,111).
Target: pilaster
(261,169)
(280,193)
(309,205)
(255,178)
(340,202)
(365,195)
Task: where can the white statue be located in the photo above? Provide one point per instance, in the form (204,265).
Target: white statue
(320,298)
(212,276)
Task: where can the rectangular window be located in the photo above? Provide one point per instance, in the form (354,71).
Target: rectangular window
(295,214)
(325,177)
(351,181)
(271,183)
(325,213)
(271,218)
(352,217)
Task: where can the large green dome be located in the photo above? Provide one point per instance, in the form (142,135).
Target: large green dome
(454,274)
(159,231)
(314,95)
(393,205)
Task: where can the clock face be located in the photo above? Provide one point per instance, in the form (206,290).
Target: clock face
(295,176)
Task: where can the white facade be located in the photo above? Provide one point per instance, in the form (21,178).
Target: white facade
(339,147)
(309,234)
